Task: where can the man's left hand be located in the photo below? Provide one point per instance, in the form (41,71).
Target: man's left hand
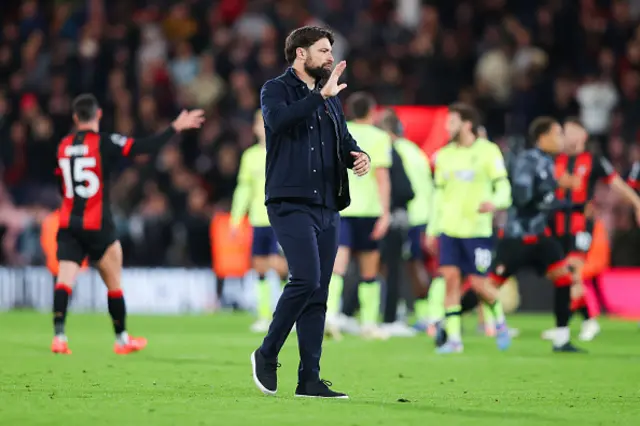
(361,163)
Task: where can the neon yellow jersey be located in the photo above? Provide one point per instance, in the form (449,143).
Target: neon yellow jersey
(249,193)
(465,177)
(416,165)
(365,200)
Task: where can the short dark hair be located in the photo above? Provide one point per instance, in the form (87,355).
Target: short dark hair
(85,107)
(540,126)
(574,120)
(360,104)
(390,122)
(467,113)
(304,37)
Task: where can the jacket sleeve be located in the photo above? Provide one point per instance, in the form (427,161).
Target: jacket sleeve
(280,116)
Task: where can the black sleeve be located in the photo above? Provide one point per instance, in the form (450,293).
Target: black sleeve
(116,145)
(522,181)
(633,179)
(603,169)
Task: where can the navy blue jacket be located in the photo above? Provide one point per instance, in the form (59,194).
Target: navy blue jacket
(287,108)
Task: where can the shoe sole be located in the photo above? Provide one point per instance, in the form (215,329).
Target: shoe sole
(322,397)
(255,378)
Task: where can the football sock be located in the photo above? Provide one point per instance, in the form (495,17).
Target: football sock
(562,312)
(421,308)
(264,299)
(453,324)
(494,312)
(584,311)
(369,297)
(335,295)
(61,295)
(435,298)
(118,312)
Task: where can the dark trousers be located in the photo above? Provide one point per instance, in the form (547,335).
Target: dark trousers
(309,238)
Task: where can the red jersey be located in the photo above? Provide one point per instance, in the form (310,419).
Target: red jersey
(85,162)
(590,169)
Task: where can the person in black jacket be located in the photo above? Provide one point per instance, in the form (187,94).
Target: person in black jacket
(309,150)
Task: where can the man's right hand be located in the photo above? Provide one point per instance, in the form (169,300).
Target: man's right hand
(189,120)
(331,87)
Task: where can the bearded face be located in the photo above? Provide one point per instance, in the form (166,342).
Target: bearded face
(319,60)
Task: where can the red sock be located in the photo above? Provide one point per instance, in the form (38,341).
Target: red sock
(578,303)
(563,280)
(117,310)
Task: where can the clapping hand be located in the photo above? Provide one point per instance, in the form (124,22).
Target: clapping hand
(331,87)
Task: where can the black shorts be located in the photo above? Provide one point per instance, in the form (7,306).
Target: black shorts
(74,245)
(576,244)
(514,254)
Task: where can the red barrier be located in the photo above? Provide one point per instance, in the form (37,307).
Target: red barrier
(424,125)
(620,291)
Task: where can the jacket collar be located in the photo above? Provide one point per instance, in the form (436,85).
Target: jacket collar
(291,78)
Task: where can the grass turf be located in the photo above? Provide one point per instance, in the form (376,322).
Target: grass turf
(196,371)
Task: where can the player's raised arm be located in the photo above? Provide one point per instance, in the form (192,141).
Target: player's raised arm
(135,146)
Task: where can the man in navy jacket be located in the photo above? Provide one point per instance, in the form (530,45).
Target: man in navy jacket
(308,152)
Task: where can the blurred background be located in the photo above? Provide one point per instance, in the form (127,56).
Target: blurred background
(147,59)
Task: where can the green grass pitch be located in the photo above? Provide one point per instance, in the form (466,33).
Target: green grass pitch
(196,371)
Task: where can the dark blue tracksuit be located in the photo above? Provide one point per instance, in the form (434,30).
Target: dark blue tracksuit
(308,153)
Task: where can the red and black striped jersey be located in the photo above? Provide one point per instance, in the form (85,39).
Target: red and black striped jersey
(85,162)
(590,169)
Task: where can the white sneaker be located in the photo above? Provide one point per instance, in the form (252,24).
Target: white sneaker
(332,327)
(349,325)
(260,326)
(549,334)
(398,329)
(589,330)
(374,332)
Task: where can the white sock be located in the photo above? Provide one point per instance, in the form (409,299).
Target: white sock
(122,338)
(62,337)
(561,336)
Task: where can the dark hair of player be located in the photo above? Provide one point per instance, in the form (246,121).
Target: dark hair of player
(539,127)
(467,113)
(360,105)
(304,37)
(574,120)
(390,122)
(85,107)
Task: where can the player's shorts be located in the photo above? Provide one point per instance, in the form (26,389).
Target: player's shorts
(577,244)
(265,242)
(416,233)
(75,245)
(355,233)
(543,254)
(471,255)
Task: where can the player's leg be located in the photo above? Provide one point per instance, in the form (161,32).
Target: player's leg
(478,259)
(260,251)
(550,258)
(369,286)
(110,268)
(450,250)
(70,254)
(590,327)
(418,275)
(336,285)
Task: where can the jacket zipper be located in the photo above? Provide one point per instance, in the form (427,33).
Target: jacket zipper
(338,145)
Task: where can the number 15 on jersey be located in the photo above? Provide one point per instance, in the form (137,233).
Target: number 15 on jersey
(81,180)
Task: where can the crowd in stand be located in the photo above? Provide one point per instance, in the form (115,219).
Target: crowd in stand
(145,60)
